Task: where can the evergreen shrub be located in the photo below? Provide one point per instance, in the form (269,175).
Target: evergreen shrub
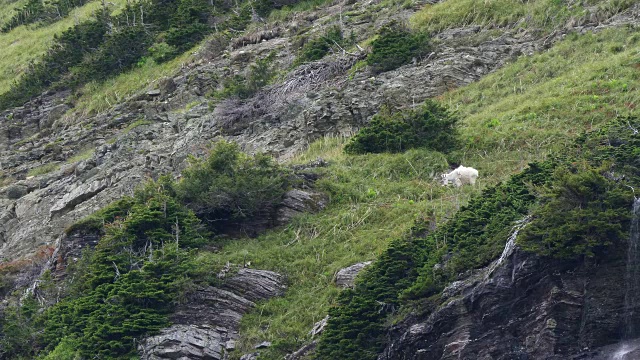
(581,213)
(431,126)
(245,86)
(130,281)
(395,46)
(406,270)
(230,186)
(40,11)
(317,48)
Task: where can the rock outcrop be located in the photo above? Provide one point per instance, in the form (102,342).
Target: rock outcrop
(184,342)
(298,201)
(346,277)
(206,325)
(520,307)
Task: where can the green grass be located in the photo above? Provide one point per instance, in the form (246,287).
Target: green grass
(7,7)
(97,97)
(517,115)
(24,44)
(43,169)
(287,12)
(81,156)
(5,179)
(540,103)
(374,199)
(135,124)
(545,14)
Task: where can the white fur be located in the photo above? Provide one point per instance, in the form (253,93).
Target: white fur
(460,176)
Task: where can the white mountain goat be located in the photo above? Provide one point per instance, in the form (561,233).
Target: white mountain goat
(460,176)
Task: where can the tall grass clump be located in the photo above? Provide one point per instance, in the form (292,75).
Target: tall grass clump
(315,49)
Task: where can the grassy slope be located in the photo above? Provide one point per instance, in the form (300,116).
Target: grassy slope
(6,9)
(541,102)
(27,43)
(511,117)
(545,14)
(97,97)
(373,198)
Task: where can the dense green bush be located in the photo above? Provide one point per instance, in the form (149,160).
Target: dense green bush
(131,280)
(15,192)
(577,211)
(29,13)
(128,285)
(430,126)
(18,330)
(110,213)
(120,51)
(230,186)
(189,24)
(395,46)
(588,206)
(581,213)
(66,350)
(356,328)
(317,48)
(67,51)
(40,11)
(478,232)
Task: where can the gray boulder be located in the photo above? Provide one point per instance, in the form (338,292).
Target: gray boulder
(206,325)
(346,277)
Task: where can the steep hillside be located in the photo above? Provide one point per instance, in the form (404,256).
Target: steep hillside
(25,44)
(526,81)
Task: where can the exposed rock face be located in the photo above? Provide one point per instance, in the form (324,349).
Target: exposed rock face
(346,277)
(255,285)
(79,193)
(625,350)
(184,342)
(520,307)
(70,249)
(318,327)
(303,351)
(206,326)
(297,201)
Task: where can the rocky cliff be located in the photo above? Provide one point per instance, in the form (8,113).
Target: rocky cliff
(524,307)
(206,325)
